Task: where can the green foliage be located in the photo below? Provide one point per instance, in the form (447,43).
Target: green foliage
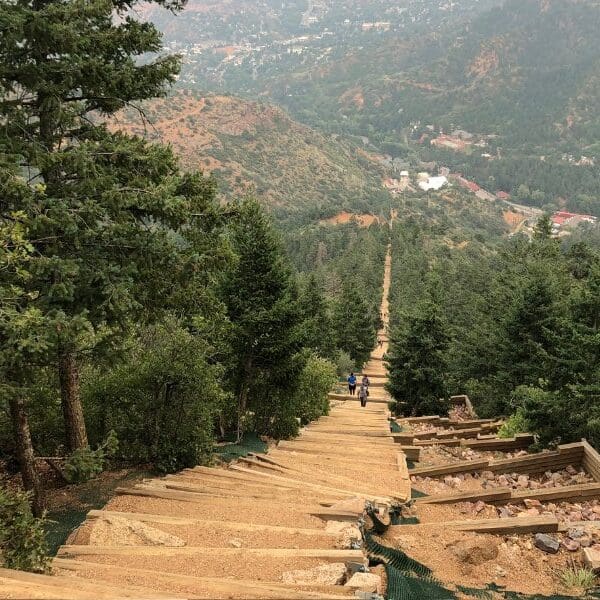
(22,539)
(260,298)
(516,423)
(344,364)
(355,323)
(316,329)
(162,401)
(84,463)
(416,362)
(316,380)
(580,578)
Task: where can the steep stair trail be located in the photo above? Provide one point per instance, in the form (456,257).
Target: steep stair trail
(248,530)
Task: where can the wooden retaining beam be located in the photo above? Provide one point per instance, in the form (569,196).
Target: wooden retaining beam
(506,495)
(320,553)
(191,521)
(490,496)
(413,453)
(519,442)
(567,454)
(20,584)
(511,526)
(591,460)
(462,466)
(200,584)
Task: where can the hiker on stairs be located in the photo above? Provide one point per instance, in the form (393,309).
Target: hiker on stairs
(362,395)
(352,384)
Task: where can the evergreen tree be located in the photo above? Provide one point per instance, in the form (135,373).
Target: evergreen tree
(19,342)
(529,333)
(102,203)
(353,322)
(416,362)
(316,329)
(259,295)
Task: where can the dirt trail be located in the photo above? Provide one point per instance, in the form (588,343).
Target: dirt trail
(247,530)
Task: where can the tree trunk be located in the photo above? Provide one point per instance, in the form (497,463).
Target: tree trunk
(243,397)
(25,455)
(71,401)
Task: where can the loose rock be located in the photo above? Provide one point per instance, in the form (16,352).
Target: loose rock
(475,551)
(118,531)
(546,543)
(367,582)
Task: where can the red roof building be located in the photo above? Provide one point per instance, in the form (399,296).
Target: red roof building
(503,195)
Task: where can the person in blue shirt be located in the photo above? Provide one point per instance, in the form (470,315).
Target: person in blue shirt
(352,384)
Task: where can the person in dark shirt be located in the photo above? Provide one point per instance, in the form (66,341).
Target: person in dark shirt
(352,384)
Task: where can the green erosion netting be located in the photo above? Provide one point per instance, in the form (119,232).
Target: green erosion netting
(249,443)
(408,579)
(417,494)
(394,427)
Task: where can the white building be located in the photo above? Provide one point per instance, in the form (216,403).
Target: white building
(433,183)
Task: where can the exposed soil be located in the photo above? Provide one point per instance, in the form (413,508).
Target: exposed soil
(344,217)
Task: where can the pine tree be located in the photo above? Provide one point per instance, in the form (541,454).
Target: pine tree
(19,342)
(353,322)
(259,295)
(416,361)
(316,329)
(529,333)
(103,203)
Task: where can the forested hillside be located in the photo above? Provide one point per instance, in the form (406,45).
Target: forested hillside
(187,276)
(511,322)
(520,76)
(254,148)
(143,319)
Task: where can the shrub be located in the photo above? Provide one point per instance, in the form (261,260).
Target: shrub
(344,364)
(162,401)
(84,464)
(516,423)
(316,380)
(22,539)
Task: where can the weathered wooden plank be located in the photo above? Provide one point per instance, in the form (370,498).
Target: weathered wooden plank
(229,588)
(519,442)
(233,525)
(413,453)
(68,587)
(324,488)
(462,466)
(512,526)
(591,460)
(449,443)
(583,490)
(497,494)
(241,553)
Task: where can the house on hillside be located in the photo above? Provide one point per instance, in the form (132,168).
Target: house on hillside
(465,183)
(450,142)
(433,183)
(503,196)
(563,219)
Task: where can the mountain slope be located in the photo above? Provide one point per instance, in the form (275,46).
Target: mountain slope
(255,148)
(527,71)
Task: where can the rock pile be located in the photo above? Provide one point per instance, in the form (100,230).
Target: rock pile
(459,412)
(550,479)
